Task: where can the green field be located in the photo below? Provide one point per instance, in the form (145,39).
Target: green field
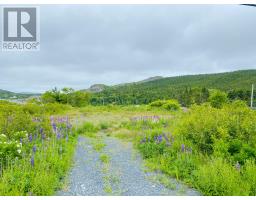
(209,148)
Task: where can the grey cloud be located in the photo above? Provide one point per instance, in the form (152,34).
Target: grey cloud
(86,44)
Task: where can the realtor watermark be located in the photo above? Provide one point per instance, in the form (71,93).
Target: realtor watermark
(20,29)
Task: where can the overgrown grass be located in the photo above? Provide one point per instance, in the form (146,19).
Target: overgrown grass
(36,150)
(50,168)
(212,150)
(88,129)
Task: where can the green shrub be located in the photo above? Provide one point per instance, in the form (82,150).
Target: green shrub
(66,96)
(171,104)
(249,176)
(229,130)
(218,99)
(218,177)
(157,103)
(151,149)
(211,149)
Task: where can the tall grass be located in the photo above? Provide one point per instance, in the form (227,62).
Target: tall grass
(212,150)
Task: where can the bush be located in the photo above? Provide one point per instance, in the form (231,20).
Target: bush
(66,96)
(212,149)
(157,103)
(223,130)
(249,175)
(171,104)
(218,99)
(219,178)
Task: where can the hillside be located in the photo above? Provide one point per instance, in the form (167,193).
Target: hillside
(96,88)
(4,94)
(174,87)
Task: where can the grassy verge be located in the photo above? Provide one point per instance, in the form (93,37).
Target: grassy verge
(212,150)
(40,174)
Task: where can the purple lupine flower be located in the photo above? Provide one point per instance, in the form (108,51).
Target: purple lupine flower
(43,136)
(183,147)
(30,138)
(41,130)
(238,166)
(32,161)
(60,129)
(34,149)
(69,126)
(160,138)
(52,119)
(54,126)
(58,136)
(21,140)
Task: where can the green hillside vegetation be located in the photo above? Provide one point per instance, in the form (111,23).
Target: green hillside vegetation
(4,94)
(187,89)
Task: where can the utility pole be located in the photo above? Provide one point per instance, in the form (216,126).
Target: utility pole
(252,97)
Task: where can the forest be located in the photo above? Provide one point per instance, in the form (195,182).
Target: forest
(191,89)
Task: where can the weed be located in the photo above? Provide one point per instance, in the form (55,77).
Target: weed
(99,146)
(104,158)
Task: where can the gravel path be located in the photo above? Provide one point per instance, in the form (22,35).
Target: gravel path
(123,175)
(85,177)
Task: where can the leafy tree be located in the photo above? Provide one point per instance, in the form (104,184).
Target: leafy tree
(218,99)
(48,97)
(66,96)
(79,98)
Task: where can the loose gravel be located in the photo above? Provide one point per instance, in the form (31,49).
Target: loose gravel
(123,175)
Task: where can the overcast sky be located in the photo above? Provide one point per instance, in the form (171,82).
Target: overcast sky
(83,45)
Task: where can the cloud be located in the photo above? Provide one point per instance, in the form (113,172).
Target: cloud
(86,44)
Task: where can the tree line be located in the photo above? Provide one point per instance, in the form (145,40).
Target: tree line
(186,96)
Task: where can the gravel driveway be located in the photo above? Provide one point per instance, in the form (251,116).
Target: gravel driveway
(124,174)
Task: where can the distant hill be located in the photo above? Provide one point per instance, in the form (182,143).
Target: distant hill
(4,94)
(161,88)
(96,88)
